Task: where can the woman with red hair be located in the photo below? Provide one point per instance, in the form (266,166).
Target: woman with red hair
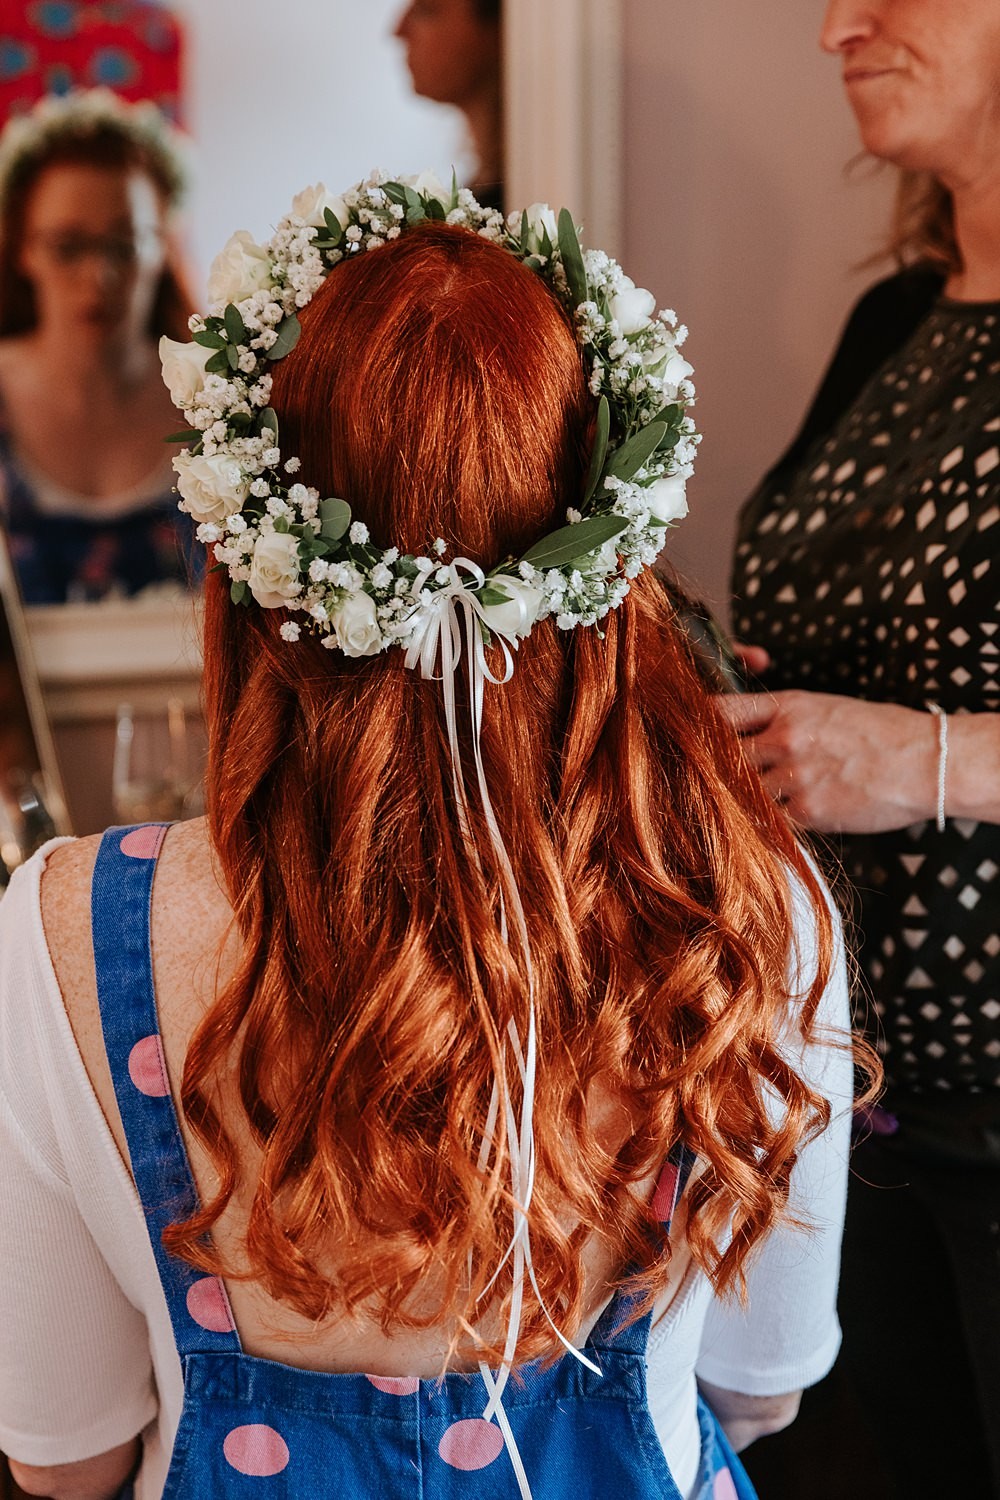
(462,996)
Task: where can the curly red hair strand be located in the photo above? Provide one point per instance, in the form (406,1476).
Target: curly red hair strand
(438,388)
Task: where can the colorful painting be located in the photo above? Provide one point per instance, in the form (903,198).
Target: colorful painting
(51,46)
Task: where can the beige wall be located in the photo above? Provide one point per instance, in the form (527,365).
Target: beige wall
(739,216)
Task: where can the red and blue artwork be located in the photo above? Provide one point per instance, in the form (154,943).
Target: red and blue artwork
(52,46)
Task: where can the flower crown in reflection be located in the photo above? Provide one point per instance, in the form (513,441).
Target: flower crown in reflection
(85,112)
(286,547)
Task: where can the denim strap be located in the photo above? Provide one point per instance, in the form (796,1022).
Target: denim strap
(121,895)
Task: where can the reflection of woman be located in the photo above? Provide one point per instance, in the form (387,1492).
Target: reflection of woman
(868,568)
(453,51)
(86,287)
(338,1068)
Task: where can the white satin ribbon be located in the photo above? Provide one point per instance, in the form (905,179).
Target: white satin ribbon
(449,621)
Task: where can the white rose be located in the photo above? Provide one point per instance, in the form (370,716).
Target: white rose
(666,498)
(183,370)
(357,626)
(241,268)
(431,186)
(213,489)
(541,219)
(310,203)
(676,369)
(275,570)
(518,613)
(632,307)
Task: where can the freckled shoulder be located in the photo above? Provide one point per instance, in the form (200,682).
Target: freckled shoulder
(65,899)
(190,912)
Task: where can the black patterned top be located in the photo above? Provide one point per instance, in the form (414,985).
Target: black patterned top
(870,566)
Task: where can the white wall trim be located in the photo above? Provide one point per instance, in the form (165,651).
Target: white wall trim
(563,110)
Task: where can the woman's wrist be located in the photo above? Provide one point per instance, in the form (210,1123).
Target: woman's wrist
(972,772)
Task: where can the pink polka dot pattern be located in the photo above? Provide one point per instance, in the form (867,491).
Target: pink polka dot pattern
(394,1385)
(259,1452)
(209,1306)
(143,843)
(147,1068)
(471,1444)
(724,1488)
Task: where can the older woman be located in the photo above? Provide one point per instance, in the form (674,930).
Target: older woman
(868,568)
(483,972)
(86,288)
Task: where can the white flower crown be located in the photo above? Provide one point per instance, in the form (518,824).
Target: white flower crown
(87,111)
(286,547)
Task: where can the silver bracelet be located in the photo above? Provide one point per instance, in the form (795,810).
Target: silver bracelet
(942,769)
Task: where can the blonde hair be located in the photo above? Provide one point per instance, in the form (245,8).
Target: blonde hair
(923,224)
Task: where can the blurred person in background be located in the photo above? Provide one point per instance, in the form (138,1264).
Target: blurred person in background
(454,51)
(88,284)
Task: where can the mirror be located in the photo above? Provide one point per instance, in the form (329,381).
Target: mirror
(32,806)
(330,96)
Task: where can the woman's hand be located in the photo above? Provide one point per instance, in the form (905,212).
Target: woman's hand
(840,765)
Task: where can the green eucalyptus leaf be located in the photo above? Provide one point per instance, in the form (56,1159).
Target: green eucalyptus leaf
(415,216)
(268,422)
(235,326)
(672,415)
(240,423)
(335,516)
(525,232)
(238,593)
(627,460)
(189,434)
(668,442)
(219,363)
(572,544)
(209,340)
(218,567)
(233,357)
(289,333)
(395,192)
(572,257)
(436,210)
(334,227)
(600,452)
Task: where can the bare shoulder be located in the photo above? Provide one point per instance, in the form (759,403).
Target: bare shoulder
(189,921)
(65,902)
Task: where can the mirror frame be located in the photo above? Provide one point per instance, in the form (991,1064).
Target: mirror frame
(563,109)
(10,603)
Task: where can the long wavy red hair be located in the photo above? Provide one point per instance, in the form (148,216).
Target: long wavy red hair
(438,388)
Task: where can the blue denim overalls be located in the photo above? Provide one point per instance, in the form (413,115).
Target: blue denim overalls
(254,1428)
